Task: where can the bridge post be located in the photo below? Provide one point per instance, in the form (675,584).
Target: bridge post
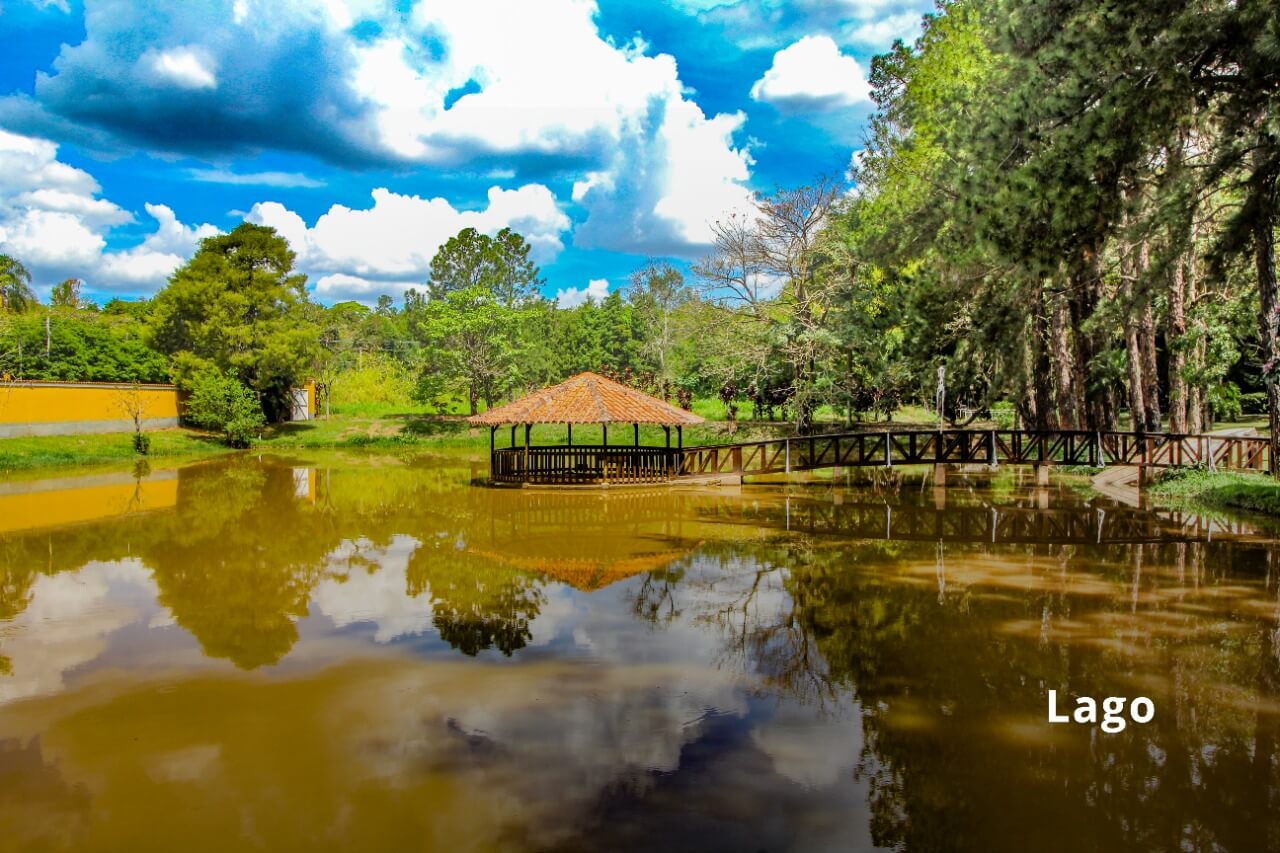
(1042,475)
(888,455)
(991,449)
(787,451)
(939,473)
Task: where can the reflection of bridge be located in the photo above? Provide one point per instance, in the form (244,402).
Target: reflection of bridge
(984,447)
(1007,524)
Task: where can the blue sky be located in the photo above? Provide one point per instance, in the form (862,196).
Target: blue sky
(369,131)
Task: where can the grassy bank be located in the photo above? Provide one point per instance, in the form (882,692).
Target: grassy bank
(1218,490)
(52,451)
(380,428)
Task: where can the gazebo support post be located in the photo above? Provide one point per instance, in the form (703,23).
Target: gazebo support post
(585,398)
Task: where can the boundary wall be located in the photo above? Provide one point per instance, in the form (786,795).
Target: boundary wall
(71,408)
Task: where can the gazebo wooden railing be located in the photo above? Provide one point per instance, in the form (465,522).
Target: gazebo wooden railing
(586,399)
(584,465)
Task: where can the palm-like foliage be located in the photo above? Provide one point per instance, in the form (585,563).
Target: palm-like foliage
(15,286)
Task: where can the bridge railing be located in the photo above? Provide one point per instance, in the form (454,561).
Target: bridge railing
(990,447)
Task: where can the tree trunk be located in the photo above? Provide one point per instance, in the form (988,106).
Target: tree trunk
(1064,360)
(1150,368)
(1195,396)
(473,398)
(1262,187)
(1195,392)
(1091,404)
(1042,373)
(1147,337)
(1175,329)
(1132,345)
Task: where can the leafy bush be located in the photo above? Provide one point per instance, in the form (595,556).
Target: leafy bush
(379,383)
(1226,401)
(1254,403)
(1004,414)
(141,443)
(83,346)
(220,402)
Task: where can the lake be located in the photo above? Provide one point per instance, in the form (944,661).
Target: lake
(354,652)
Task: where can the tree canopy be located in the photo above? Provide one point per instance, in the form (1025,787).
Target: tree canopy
(238,306)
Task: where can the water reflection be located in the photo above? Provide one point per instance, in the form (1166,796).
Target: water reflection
(344,652)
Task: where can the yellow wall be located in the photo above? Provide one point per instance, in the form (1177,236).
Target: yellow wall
(45,402)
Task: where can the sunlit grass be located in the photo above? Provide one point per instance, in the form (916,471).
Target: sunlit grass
(17,454)
(1235,490)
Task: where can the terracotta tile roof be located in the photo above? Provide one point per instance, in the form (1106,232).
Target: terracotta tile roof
(587,399)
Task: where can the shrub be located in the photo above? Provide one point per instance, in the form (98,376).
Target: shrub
(141,443)
(221,403)
(1004,414)
(1226,401)
(1254,403)
(381,382)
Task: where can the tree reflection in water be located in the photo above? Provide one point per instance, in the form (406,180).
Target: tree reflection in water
(476,604)
(953,694)
(944,650)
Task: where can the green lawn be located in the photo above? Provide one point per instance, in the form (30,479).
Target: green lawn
(18,454)
(1219,490)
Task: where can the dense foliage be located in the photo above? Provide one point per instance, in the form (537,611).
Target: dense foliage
(79,344)
(220,402)
(238,306)
(1074,204)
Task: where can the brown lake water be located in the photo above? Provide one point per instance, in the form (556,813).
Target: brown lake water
(358,653)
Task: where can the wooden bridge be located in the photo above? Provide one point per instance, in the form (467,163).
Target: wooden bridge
(975,447)
(622,465)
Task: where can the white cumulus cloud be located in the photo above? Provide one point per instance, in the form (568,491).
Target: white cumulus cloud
(387,247)
(812,75)
(54,220)
(530,89)
(571,297)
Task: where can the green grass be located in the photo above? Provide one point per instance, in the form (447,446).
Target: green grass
(1219,490)
(47,451)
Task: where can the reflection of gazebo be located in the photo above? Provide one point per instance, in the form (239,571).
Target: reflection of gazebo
(585,399)
(588,574)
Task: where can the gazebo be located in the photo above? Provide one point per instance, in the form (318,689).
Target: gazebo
(587,398)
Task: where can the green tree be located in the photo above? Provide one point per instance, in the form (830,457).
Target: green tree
(238,305)
(16,294)
(766,266)
(657,291)
(82,346)
(221,403)
(498,264)
(475,325)
(66,294)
